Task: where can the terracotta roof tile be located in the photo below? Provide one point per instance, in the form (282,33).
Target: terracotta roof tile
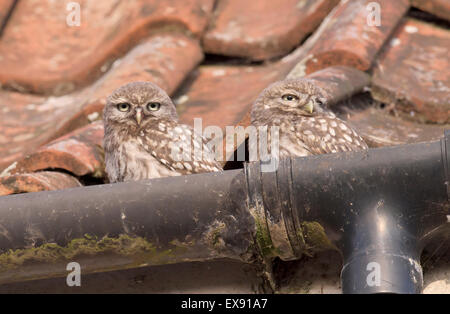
(265,28)
(42,53)
(35,182)
(412,72)
(379,127)
(79,153)
(346,37)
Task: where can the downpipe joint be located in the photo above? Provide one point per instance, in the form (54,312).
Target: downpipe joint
(378,208)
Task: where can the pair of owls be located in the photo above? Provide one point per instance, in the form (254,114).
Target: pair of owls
(142,130)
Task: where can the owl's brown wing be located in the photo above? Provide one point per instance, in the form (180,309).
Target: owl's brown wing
(328,134)
(179,148)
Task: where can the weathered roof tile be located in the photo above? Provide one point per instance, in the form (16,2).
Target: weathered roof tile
(413,72)
(379,128)
(36,182)
(348,36)
(263,29)
(42,53)
(79,153)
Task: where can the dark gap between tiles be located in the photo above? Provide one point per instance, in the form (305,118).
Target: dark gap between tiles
(428,17)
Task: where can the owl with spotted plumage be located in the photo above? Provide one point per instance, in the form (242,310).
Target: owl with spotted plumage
(305,127)
(144,140)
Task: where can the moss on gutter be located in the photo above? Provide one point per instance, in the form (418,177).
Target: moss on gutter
(315,237)
(264,241)
(137,248)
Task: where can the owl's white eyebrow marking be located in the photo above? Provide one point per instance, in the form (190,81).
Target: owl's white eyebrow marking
(119,100)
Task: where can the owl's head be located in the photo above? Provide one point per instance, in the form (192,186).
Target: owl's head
(138,104)
(298,97)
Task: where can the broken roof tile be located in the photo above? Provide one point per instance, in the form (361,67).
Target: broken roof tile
(413,72)
(439,8)
(79,153)
(263,29)
(42,52)
(28,121)
(349,36)
(36,182)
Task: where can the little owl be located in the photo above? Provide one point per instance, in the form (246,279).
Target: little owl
(305,128)
(142,133)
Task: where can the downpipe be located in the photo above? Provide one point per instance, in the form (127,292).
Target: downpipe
(378,208)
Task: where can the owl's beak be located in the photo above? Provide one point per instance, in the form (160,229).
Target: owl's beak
(309,107)
(138,116)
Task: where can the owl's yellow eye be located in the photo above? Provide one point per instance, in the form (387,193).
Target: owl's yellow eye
(124,107)
(153,106)
(289,97)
